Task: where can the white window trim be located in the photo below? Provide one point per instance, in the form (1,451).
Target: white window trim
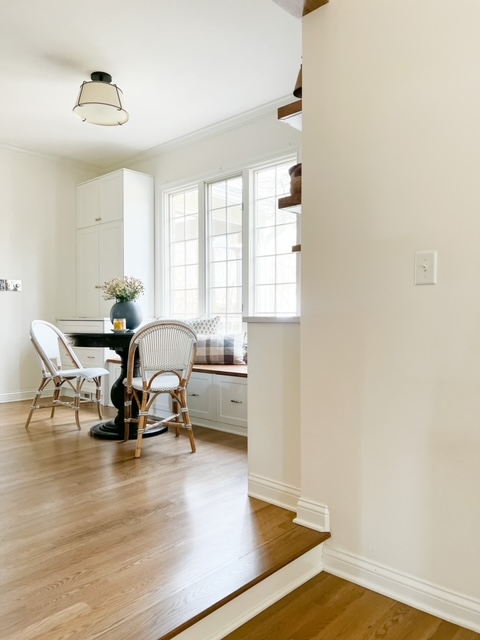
(201,182)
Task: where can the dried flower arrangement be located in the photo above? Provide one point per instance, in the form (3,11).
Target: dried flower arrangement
(123,289)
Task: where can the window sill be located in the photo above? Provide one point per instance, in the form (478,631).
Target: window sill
(271,319)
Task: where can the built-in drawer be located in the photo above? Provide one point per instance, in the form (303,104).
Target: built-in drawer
(81,326)
(200,396)
(90,357)
(232,400)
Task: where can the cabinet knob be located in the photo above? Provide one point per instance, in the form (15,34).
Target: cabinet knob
(97,219)
(237,401)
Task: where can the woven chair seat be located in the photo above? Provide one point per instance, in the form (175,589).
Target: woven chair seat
(163,383)
(88,373)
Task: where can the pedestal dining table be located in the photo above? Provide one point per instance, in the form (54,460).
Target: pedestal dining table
(120,343)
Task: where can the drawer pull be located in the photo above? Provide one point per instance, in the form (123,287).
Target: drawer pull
(237,401)
(97,219)
(194,395)
(90,357)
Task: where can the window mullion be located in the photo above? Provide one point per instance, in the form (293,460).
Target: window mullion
(202,249)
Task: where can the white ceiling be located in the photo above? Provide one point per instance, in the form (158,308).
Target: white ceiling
(182,65)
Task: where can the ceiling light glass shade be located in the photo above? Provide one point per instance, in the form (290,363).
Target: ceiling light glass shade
(100,102)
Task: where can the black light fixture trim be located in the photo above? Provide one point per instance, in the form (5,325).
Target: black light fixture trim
(101,76)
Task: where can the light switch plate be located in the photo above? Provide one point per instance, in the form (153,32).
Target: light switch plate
(426,267)
(13,285)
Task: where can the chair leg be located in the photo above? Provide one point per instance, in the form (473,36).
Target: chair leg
(76,402)
(141,429)
(40,389)
(142,421)
(127,415)
(56,395)
(98,396)
(33,407)
(186,420)
(176,410)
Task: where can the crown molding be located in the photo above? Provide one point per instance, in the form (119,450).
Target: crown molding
(11,148)
(265,110)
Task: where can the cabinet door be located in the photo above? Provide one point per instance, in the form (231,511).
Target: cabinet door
(99,258)
(100,200)
(111,197)
(232,400)
(88,204)
(200,396)
(110,261)
(87,273)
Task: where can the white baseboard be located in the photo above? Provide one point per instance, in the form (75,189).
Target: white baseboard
(448,605)
(255,600)
(17,396)
(313,515)
(280,495)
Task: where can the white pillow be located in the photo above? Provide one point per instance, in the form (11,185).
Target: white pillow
(205,326)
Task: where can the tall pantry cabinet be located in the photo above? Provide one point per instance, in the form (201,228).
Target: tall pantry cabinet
(115,238)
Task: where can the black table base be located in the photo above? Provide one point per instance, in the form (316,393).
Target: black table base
(114,429)
(109,431)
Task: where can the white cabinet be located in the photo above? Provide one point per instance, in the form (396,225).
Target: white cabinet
(100,200)
(231,400)
(114,238)
(99,258)
(218,401)
(200,396)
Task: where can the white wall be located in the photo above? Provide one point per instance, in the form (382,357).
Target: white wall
(37,246)
(391,148)
(274,412)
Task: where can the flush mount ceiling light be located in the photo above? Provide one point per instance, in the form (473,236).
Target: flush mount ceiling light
(100,102)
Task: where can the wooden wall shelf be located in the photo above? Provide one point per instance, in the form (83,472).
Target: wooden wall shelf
(300,8)
(292,203)
(291,114)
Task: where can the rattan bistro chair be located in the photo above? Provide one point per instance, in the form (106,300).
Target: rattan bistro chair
(52,347)
(160,360)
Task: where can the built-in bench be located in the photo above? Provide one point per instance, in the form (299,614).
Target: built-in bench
(239,370)
(217,396)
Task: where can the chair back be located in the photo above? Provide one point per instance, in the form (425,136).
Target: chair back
(50,343)
(163,346)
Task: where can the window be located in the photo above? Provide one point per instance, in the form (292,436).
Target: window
(274,281)
(183,254)
(206,258)
(225,252)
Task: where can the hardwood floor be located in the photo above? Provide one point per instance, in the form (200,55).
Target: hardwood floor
(96,544)
(330,608)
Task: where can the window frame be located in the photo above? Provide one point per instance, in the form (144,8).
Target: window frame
(162,244)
